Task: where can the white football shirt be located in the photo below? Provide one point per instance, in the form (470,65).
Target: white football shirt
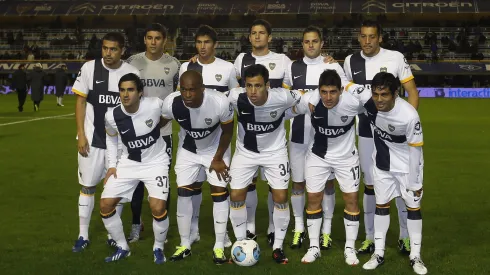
(276,63)
(304,74)
(200,128)
(139,132)
(334,135)
(393,131)
(219,75)
(102,93)
(261,128)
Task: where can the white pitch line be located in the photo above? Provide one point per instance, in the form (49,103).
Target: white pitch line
(34,119)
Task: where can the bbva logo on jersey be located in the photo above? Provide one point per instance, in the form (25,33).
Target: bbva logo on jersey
(153,82)
(198,134)
(331,132)
(110,99)
(382,134)
(144,142)
(259,128)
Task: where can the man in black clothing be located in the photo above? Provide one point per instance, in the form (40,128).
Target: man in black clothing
(60,82)
(19,84)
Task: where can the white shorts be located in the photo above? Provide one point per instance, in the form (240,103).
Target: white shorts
(297,158)
(319,170)
(154,176)
(92,169)
(188,167)
(245,165)
(366,149)
(389,185)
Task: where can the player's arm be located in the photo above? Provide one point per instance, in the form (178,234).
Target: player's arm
(416,160)
(80,88)
(408,82)
(287,82)
(238,68)
(177,75)
(232,80)
(226,119)
(347,71)
(111,152)
(166,114)
(413,93)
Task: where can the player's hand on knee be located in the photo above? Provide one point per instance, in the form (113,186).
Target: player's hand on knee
(110,172)
(329,59)
(221,169)
(194,59)
(83,147)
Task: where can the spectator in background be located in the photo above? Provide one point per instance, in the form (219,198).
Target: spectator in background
(19,84)
(36,80)
(30,56)
(60,82)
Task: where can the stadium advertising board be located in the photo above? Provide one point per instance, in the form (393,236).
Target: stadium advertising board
(112,7)
(423,92)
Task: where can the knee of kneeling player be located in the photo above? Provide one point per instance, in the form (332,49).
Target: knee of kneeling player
(107,207)
(351,203)
(280,195)
(298,188)
(238,195)
(159,214)
(88,191)
(414,214)
(219,194)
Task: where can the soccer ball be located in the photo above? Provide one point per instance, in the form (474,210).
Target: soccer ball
(245,253)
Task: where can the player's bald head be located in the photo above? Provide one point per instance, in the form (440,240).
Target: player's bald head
(191,77)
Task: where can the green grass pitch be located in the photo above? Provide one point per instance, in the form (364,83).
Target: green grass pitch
(39,194)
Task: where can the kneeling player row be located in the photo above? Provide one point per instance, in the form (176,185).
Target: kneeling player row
(206,130)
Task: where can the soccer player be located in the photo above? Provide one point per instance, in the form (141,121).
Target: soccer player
(360,68)
(333,150)
(159,74)
(398,163)
(97,92)
(261,142)
(260,35)
(206,128)
(303,75)
(219,75)
(143,158)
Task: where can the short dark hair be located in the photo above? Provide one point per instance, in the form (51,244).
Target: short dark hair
(330,78)
(134,78)
(114,37)
(312,28)
(157,27)
(385,80)
(261,22)
(206,30)
(372,24)
(256,70)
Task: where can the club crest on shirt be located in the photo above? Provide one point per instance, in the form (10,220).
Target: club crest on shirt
(274,114)
(208,121)
(218,77)
(166,70)
(391,127)
(383,69)
(149,122)
(272,66)
(344,118)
